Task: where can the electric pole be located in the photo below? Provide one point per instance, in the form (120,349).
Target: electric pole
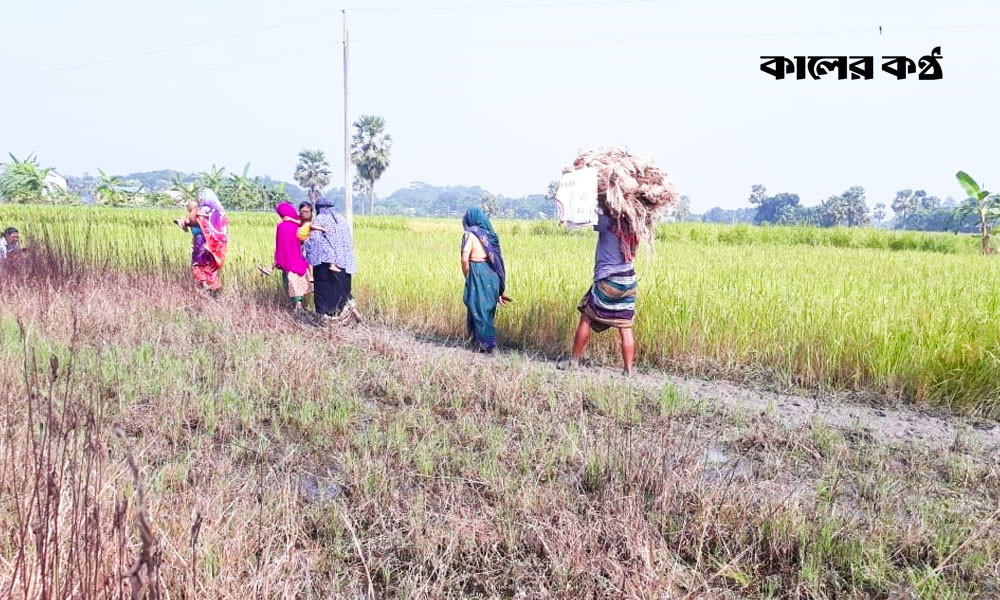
(348,182)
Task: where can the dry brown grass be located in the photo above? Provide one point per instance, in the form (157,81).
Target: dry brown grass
(312,463)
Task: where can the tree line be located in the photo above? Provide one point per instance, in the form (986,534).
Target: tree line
(24,180)
(911,210)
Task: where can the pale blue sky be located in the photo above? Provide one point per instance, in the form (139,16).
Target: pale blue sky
(509,115)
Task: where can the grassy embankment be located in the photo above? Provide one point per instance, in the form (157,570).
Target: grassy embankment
(911,315)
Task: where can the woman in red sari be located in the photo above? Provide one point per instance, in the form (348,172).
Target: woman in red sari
(209,227)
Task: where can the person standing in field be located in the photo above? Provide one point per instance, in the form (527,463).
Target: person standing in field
(485,278)
(209,227)
(610,301)
(295,272)
(330,250)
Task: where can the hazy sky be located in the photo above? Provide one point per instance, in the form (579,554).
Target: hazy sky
(504,97)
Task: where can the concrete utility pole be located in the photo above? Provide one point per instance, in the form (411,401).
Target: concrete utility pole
(348,182)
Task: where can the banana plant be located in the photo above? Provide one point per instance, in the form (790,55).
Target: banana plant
(213,179)
(189,189)
(983,204)
(109,191)
(238,191)
(22,180)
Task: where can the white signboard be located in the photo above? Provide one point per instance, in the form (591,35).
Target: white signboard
(576,198)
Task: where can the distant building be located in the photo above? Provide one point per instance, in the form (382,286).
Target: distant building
(55,182)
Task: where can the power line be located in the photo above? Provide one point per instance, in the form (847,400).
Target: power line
(223,38)
(208,70)
(572,3)
(238,34)
(936,27)
(723,36)
(869,30)
(616,40)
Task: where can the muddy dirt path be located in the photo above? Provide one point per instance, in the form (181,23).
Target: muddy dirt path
(889,424)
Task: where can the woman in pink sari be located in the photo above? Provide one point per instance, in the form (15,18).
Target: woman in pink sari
(295,274)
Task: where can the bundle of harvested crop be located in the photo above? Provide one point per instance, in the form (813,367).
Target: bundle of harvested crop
(631,190)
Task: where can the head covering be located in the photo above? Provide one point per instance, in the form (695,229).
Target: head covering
(210,207)
(287,251)
(478,224)
(324,206)
(214,226)
(476,217)
(335,245)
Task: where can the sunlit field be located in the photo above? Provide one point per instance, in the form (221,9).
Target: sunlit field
(158,443)
(904,314)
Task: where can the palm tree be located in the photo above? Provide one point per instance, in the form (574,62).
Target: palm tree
(370,151)
(360,184)
(23,180)
(312,172)
(984,204)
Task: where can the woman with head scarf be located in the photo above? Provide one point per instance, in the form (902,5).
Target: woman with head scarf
(330,251)
(209,227)
(485,278)
(295,272)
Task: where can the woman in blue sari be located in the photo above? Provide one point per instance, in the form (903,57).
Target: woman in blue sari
(485,278)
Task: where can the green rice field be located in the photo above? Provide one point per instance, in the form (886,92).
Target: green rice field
(908,315)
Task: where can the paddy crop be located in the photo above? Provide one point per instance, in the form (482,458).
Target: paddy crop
(911,315)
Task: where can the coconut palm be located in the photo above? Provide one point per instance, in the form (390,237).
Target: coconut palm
(370,149)
(312,172)
(983,204)
(22,180)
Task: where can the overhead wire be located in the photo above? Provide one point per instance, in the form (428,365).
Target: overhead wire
(244,33)
(195,44)
(430,42)
(207,70)
(446,7)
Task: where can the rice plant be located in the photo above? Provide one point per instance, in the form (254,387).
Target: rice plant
(899,313)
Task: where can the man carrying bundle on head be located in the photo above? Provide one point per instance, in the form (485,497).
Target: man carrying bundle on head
(630,193)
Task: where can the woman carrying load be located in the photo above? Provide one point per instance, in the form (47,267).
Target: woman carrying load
(206,221)
(610,301)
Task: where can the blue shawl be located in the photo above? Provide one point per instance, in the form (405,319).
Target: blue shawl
(478,224)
